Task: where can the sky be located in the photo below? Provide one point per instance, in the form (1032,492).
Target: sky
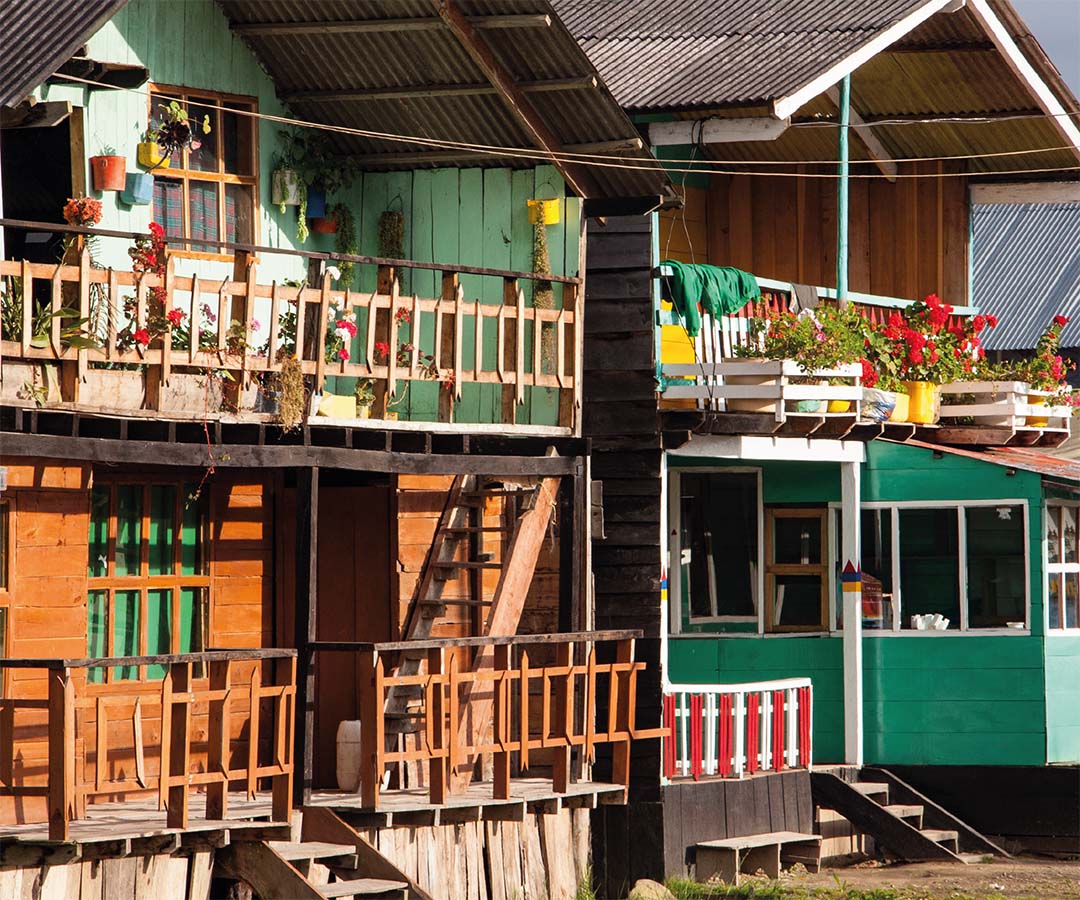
(1056,25)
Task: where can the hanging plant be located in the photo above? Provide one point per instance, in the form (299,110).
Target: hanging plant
(291,386)
(543,295)
(345,242)
(392,235)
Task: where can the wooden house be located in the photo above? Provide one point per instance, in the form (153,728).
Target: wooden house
(345,647)
(727,534)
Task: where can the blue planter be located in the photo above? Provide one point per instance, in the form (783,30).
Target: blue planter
(316,203)
(138,189)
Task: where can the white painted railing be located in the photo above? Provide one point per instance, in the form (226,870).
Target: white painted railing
(731,730)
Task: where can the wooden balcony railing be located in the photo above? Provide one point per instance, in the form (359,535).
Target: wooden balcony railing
(98,747)
(510,680)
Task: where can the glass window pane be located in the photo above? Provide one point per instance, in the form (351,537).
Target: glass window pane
(203,214)
(97,631)
(194,624)
(1072,599)
(239,213)
(158,628)
(797,601)
(929,565)
(192,561)
(128,528)
(168,209)
(205,158)
(99,531)
(797,541)
(719,544)
(126,632)
(162,536)
(995,566)
(157,118)
(877,560)
(1069,515)
(236,131)
(1053,601)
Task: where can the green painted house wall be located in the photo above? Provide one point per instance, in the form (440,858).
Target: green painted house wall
(929,699)
(458,216)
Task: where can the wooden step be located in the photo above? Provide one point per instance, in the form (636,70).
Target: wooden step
(363,887)
(905,811)
(298,851)
(872,789)
(939,835)
(972,858)
(477,529)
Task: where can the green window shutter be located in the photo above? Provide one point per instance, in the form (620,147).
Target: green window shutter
(162,535)
(158,628)
(97,624)
(128,528)
(126,632)
(99,531)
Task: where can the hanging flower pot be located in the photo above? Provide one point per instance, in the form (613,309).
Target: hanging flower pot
(544,212)
(109,172)
(316,203)
(285,188)
(139,189)
(323,224)
(151,156)
(922,402)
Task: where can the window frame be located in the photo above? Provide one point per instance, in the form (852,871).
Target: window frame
(773,568)
(143,583)
(674,549)
(962,569)
(1061,568)
(185,96)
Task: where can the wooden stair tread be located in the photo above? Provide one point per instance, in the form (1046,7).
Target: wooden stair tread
(295,851)
(939,834)
(869,788)
(905,810)
(760,840)
(361,887)
(972,858)
(467,564)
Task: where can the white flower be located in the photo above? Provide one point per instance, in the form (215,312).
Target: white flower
(343,333)
(334,272)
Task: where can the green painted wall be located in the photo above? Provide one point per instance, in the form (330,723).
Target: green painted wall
(940,699)
(463,216)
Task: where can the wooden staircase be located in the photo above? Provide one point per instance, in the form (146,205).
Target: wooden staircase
(457,546)
(329,861)
(901,821)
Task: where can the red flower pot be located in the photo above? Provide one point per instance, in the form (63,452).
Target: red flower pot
(324,225)
(110,172)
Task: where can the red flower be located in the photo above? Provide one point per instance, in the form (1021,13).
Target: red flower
(915,357)
(992,321)
(1061,320)
(156,230)
(175,316)
(933,301)
(343,354)
(382,350)
(869,373)
(978,323)
(403,315)
(142,336)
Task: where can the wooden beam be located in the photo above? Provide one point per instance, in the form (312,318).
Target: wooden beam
(430,91)
(716,130)
(457,156)
(35,115)
(1033,192)
(376,26)
(874,148)
(305,605)
(516,101)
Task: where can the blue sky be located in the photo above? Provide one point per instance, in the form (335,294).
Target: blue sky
(1056,25)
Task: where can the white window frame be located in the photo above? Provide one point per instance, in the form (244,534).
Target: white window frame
(1062,568)
(961,519)
(674,549)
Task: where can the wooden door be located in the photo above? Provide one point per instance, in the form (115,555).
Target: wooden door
(353,605)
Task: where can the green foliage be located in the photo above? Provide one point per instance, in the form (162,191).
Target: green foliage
(821,338)
(345,241)
(392,234)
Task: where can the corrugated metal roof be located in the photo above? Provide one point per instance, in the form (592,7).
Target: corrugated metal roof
(349,60)
(1023,458)
(1027,270)
(38,36)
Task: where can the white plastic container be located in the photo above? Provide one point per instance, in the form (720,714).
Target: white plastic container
(348,755)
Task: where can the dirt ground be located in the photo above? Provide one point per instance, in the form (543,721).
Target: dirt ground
(1021,877)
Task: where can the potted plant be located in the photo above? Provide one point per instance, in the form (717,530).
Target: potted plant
(365,397)
(177,130)
(138,189)
(345,243)
(109,170)
(327,174)
(1044,371)
(288,187)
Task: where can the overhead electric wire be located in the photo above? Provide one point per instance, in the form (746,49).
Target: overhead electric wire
(614,162)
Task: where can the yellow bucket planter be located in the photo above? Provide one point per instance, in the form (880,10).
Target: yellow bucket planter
(544,212)
(922,402)
(839,406)
(150,156)
(1037,421)
(900,411)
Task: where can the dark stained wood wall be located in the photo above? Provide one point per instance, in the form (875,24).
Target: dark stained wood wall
(907,239)
(620,418)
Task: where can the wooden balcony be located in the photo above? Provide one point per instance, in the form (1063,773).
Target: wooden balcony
(127,760)
(221,362)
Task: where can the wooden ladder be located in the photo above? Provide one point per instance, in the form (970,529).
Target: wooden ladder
(499,616)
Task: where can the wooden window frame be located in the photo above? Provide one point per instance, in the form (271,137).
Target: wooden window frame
(185,96)
(773,568)
(1061,568)
(144,582)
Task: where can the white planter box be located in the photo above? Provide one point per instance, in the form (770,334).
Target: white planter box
(999,404)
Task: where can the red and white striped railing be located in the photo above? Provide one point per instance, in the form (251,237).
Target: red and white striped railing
(731,730)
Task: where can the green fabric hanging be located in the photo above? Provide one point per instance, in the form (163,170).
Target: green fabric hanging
(720,290)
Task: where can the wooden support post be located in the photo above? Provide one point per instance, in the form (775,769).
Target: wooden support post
(176,807)
(571,336)
(61,754)
(371,728)
(282,784)
(217,744)
(501,725)
(439,735)
(306,604)
(619,717)
(254,698)
(445,347)
(564,718)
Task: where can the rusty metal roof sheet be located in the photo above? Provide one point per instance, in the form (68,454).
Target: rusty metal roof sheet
(1026,270)
(339,59)
(1023,458)
(38,36)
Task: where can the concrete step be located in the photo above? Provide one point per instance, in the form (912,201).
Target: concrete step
(364,887)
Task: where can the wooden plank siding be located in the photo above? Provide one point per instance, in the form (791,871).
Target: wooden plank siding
(48,609)
(907,239)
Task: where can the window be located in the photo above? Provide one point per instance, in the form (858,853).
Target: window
(148,583)
(1062,565)
(718,545)
(211,192)
(949,567)
(796,570)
